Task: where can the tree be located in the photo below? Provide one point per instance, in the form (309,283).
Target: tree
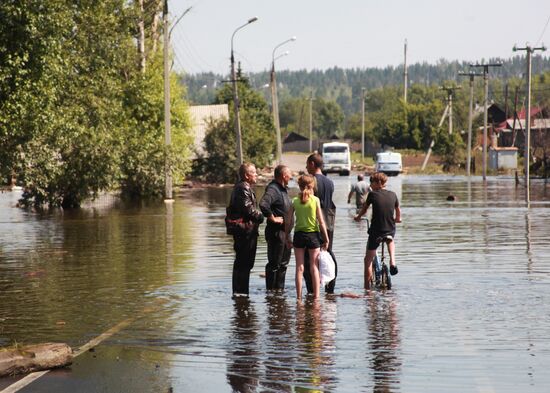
(63,67)
(328,118)
(143,152)
(78,114)
(258,135)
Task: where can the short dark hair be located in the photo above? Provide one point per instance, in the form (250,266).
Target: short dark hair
(279,170)
(360,177)
(317,160)
(244,168)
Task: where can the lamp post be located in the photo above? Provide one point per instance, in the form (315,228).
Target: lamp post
(236,96)
(274,99)
(167,120)
(530,50)
(167,125)
(362,123)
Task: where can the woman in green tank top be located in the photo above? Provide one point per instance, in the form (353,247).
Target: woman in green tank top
(309,225)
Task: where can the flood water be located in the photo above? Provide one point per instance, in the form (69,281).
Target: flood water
(469,311)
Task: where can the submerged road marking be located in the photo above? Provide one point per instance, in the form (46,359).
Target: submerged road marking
(30,378)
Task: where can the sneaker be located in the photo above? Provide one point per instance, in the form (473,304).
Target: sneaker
(393,270)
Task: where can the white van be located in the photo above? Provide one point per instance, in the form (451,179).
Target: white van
(389,162)
(336,158)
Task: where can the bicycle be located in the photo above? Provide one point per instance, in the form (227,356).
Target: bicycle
(381,277)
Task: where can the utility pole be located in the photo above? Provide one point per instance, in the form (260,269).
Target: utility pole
(472,75)
(311,122)
(275,109)
(237,121)
(486,105)
(362,123)
(405,75)
(429,152)
(275,99)
(447,112)
(236,104)
(450,90)
(530,50)
(167,125)
(515,116)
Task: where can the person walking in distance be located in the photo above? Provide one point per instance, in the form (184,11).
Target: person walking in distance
(360,189)
(385,214)
(323,190)
(275,205)
(243,211)
(310,224)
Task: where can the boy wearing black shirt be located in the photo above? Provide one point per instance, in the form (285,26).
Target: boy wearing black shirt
(385,214)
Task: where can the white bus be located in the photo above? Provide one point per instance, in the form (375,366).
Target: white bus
(389,162)
(336,158)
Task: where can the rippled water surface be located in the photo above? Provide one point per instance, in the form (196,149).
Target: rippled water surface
(469,311)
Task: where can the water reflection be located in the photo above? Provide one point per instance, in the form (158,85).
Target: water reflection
(478,261)
(528,241)
(279,341)
(169,239)
(384,342)
(243,370)
(315,330)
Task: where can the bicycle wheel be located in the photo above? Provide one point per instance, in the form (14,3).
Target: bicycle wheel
(377,270)
(385,277)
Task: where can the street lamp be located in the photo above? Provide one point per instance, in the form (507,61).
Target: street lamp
(530,50)
(236,96)
(363,123)
(274,100)
(167,120)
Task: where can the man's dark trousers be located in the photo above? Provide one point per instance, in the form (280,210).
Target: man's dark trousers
(245,254)
(278,257)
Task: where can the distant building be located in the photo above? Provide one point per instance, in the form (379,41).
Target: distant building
(510,132)
(200,116)
(296,142)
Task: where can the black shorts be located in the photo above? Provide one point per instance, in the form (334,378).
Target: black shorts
(372,244)
(309,240)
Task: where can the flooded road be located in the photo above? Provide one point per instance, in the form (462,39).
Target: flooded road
(469,311)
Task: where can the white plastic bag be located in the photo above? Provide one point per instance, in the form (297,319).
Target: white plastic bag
(327,269)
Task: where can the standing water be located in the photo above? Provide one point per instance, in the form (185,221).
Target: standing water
(469,310)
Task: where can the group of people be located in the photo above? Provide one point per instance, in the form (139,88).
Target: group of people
(311,214)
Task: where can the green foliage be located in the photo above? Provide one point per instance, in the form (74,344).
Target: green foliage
(257,130)
(76,114)
(65,103)
(327,117)
(143,158)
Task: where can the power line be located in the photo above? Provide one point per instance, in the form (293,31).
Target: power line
(543,31)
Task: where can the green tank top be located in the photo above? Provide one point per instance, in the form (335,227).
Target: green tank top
(306,214)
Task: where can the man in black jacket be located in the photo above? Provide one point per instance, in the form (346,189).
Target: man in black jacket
(275,204)
(243,206)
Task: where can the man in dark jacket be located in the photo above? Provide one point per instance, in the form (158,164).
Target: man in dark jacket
(275,205)
(243,206)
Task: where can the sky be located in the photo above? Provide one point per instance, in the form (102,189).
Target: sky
(351,33)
